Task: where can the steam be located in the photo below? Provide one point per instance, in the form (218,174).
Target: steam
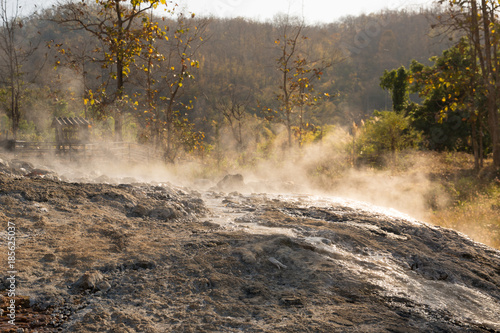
(326,168)
(322,168)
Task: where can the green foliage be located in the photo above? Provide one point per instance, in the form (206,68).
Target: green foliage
(452,115)
(386,132)
(308,133)
(5,126)
(265,147)
(479,21)
(28,132)
(396,81)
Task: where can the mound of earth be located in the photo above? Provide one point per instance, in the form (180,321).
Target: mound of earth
(161,258)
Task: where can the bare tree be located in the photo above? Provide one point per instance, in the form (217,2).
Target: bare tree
(290,34)
(297,76)
(13,55)
(234,109)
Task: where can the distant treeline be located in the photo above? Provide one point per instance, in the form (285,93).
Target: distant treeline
(234,69)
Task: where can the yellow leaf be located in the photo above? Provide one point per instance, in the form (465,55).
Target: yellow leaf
(85,101)
(444,99)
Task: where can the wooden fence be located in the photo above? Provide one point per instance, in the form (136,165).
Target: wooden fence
(124,151)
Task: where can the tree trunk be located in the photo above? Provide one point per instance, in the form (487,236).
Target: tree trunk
(494,131)
(119,97)
(483,48)
(289,129)
(475,145)
(119,78)
(15,113)
(169,148)
(481,145)
(492,91)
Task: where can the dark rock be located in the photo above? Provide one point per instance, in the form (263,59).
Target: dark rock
(18,164)
(194,205)
(231,183)
(294,301)
(89,281)
(103,286)
(166,212)
(140,210)
(3,163)
(141,264)
(49,257)
(46,301)
(38,173)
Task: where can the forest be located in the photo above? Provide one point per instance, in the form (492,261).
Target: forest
(374,92)
(229,70)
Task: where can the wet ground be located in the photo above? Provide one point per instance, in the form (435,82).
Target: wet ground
(96,257)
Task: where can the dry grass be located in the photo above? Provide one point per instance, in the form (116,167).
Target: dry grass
(474,205)
(478,218)
(449,192)
(440,188)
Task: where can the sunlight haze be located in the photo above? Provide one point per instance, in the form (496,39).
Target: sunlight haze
(313,11)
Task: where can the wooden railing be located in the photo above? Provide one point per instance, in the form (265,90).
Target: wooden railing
(125,151)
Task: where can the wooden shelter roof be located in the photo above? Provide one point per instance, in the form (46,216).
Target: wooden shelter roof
(70,122)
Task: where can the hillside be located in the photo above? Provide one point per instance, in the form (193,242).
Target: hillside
(238,57)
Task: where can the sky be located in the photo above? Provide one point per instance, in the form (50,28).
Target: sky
(313,11)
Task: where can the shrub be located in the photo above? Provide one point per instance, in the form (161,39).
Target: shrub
(385,132)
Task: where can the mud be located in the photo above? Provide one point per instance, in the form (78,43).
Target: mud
(96,257)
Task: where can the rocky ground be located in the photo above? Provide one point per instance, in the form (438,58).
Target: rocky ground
(154,257)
